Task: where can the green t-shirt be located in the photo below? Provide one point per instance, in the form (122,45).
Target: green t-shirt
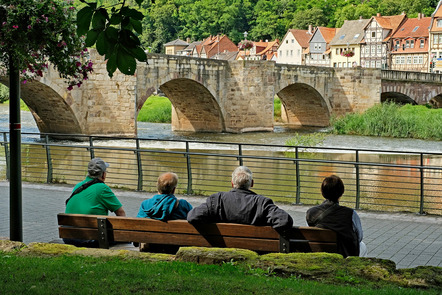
(97,199)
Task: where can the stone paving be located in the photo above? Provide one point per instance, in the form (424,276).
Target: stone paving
(407,239)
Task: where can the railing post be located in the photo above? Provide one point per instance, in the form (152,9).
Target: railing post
(298,180)
(189,170)
(7,156)
(240,154)
(358,184)
(49,160)
(140,167)
(421,207)
(91,147)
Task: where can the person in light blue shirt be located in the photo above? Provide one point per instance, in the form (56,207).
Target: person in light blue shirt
(165,206)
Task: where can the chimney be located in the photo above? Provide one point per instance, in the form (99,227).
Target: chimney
(188,40)
(310,29)
(360,17)
(419,15)
(378,14)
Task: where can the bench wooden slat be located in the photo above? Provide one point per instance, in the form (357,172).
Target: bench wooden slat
(182,226)
(78,220)
(78,233)
(311,234)
(198,240)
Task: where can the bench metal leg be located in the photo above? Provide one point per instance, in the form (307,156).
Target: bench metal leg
(103,238)
(284,244)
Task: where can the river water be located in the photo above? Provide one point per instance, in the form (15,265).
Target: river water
(278,137)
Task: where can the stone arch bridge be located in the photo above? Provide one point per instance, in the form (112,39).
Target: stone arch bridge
(217,96)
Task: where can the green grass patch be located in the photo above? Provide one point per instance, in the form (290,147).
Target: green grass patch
(115,275)
(156,109)
(392,120)
(277,110)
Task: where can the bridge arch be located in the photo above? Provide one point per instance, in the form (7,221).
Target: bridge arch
(397,97)
(194,108)
(51,112)
(304,106)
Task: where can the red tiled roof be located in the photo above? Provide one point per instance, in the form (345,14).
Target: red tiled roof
(327,33)
(407,28)
(302,36)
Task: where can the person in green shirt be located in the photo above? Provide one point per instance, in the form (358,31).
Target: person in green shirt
(93,196)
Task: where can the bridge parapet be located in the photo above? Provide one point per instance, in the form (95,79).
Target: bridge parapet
(410,76)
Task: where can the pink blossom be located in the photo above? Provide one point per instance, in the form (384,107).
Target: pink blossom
(70,87)
(15,26)
(29,27)
(24,81)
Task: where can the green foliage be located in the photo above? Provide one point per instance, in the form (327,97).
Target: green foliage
(393,120)
(166,20)
(4,93)
(114,30)
(306,140)
(156,109)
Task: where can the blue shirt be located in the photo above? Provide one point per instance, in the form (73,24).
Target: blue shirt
(164,207)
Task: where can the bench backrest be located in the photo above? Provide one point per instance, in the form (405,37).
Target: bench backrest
(106,229)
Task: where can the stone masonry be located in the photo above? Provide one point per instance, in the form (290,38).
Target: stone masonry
(215,95)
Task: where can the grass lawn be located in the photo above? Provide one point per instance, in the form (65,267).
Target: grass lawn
(104,275)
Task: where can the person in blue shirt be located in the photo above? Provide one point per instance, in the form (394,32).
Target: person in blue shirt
(165,206)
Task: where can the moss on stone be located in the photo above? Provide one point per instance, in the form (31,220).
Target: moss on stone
(11,246)
(204,255)
(48,249)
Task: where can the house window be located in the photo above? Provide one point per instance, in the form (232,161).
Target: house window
(373,49)
(291,52)
(339,65)
(439,23)
(286,41)
(422,43)
(409,60)
(280,53)
(373,34)
(411,43)
(407,44)
(403,60)
(420,59)
(435,39)
(293,41)
(341,37)
(337,51)
(373,64)
(379,48)
(316,46)
(299,52)
(378,64)
(319,46)
(398,60)
(367,49)
(415,59)
(397,45)
(287,53)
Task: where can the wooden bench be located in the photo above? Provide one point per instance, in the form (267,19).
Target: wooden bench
(108,229)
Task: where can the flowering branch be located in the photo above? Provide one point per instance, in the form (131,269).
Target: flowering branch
(36,33)
(245,44)
(347,53)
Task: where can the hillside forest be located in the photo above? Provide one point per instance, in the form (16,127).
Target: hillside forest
(167,20)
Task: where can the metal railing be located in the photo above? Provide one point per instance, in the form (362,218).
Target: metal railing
(375,179)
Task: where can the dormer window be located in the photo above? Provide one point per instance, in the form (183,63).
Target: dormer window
(422,43)
(415,29)
(439,23)
(341,37)
(373,34)
(356,36)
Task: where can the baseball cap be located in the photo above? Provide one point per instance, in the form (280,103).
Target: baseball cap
(96,166)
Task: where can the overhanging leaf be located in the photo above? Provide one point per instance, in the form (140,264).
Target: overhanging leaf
(103,44)
(84,17)
(111,65)
(99,19)
(126,63)
(136,24)
(91,37)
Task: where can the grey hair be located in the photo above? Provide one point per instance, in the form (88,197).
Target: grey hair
(242,177)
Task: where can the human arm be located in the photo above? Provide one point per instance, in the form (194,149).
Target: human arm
(120,212)
(276,217)
(357,226)
(199,214)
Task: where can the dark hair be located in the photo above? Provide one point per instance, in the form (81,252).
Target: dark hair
(332,188)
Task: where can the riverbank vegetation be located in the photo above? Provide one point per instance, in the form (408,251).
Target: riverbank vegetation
(4,93)
(392,120)
(156,109)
